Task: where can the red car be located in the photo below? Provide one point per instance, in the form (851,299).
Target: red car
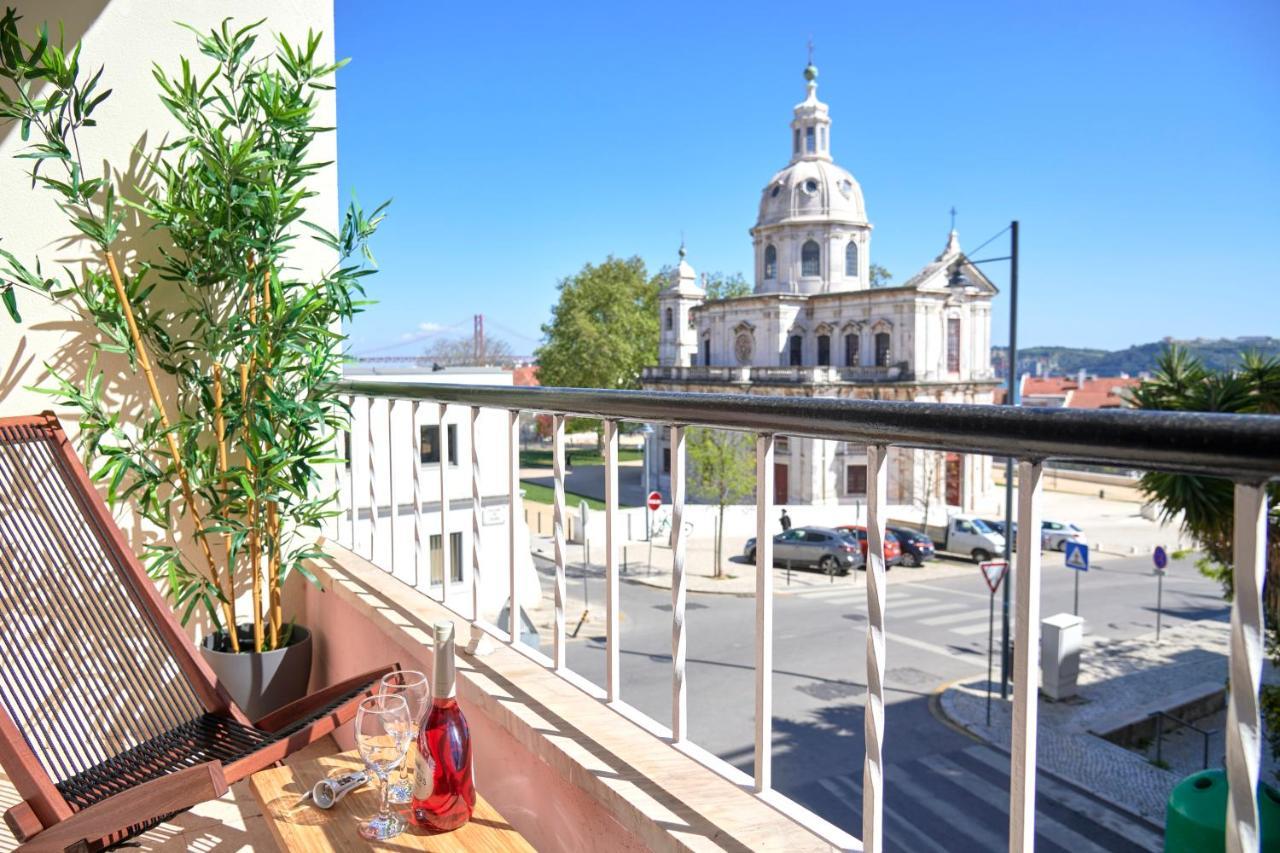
(892,547)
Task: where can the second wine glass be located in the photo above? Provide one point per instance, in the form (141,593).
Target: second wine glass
(415,689)
(382,736)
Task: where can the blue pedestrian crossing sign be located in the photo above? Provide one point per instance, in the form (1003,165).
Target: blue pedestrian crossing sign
(1078,556)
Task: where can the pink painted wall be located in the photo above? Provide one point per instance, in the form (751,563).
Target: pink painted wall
(548,810)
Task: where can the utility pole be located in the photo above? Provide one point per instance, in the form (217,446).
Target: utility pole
(1011,398)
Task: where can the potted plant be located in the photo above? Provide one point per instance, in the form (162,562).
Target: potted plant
(247,347)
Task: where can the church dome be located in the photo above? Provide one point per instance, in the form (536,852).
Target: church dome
(809,190)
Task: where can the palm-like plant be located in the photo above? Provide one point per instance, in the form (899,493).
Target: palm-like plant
(252,346)
(1205,504)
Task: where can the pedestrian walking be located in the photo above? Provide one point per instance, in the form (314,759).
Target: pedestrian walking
(786,521)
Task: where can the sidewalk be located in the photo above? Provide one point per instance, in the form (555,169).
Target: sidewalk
(1115,676)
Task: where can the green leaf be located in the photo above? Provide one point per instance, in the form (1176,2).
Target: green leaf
(10,299)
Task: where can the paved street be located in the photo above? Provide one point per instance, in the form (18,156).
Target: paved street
(939,782)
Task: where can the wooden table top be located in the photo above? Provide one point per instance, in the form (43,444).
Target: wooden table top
(306,828)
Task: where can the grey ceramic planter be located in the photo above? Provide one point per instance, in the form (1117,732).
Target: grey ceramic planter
(261,682)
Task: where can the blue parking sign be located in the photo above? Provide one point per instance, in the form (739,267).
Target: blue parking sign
(1077,556)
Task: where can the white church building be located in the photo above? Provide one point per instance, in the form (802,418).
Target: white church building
(816,327)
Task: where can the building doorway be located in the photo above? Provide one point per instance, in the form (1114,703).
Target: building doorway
(954,473)
(781,496)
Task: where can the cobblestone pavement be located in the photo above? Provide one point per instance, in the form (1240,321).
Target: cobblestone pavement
(1115,677)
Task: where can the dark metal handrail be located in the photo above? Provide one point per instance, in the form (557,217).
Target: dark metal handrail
(1160,717)
(1241,447)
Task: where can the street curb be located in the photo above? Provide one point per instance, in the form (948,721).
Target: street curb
(937,709)
(652,583)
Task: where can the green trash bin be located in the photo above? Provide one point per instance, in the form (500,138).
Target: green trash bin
(1196,818)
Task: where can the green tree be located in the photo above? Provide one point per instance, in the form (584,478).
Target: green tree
(603,330)
(462,351)
(880,277)
(721,286)
(1205,504)
(722,471)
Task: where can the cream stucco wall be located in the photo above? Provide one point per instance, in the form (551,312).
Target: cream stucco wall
(125,36)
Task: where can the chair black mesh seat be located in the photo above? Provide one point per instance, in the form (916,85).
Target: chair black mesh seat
(210,737)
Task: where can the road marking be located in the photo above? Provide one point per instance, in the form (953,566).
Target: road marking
(950,654)
(970,630)
(960,820)
(847,790)
(911,611)
(978,577)
(949,619)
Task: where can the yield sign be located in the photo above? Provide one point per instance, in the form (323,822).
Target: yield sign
(993,573)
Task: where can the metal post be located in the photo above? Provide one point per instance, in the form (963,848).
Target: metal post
(612,629)
(1022,749)
(991,630)
(1159,600)
(1010,399)
(873,718)
(1075,608)
(764,615)
(679,698)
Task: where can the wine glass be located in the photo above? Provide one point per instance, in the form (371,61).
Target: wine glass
(414,687)
(382,736)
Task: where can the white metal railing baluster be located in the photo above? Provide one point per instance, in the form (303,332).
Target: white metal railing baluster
(346,486)
(612,633)
(1244,724)
(679,693)
(391,485)
(513,482)
(476,514)
(373,494)
(873,722)
(415,455)
(1026,679)
(764,615)
(446,563)
(557,534)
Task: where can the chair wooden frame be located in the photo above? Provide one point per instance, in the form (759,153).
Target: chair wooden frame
(45,819)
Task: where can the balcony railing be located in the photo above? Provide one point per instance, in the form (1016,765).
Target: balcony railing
(1243,448)
(786,375)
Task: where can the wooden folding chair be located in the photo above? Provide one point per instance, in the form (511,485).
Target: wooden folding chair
(109,720)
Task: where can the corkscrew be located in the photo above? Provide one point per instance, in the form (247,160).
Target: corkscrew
(326,793)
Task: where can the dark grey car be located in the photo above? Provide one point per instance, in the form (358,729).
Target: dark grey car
(820,547)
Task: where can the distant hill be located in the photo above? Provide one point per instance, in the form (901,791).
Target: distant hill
(1221,354)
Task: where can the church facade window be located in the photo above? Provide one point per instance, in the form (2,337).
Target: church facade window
(851,260)
(810,259)
(953,344)
(851,350)
(810,142)
(770,262)
(706,352)
(797,351)
(824,350)
(882,349)
(797,145)
(671,321)
(822,139)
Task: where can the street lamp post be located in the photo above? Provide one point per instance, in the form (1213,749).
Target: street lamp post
(957,279)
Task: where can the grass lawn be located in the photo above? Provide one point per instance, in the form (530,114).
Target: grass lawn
(545,495)
(542,458)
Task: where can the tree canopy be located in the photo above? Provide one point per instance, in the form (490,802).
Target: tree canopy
(722,286)
(721,471)
(603,328)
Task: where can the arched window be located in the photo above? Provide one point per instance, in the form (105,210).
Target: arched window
(797,146)
(810,141)
(851,260)
(770,262)
(671,321)
(851,350)
(810,259)
(822,139)
(824,349)
(882,349)
(797,347)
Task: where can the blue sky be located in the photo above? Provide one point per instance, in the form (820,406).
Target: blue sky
(1138,143)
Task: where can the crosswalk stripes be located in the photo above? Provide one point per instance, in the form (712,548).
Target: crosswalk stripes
(905,604)
(972,630)
(913,610)
(948,619)
(959,801)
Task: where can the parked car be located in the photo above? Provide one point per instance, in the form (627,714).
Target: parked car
(819,547)
(916,546)
(998,526)
(1054,535)
(892,548)
(965,534)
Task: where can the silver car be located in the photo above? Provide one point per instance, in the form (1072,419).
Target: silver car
(833,551)
(1054,535)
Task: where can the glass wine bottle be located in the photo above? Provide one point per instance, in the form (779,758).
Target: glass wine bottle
(444,791)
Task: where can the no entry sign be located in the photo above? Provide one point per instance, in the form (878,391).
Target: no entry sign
(654,501)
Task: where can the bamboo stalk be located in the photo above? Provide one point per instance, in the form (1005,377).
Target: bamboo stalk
(276,617)
(255,566)
(144,361)
(220,433)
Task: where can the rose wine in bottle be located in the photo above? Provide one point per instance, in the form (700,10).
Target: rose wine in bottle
(444,791)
